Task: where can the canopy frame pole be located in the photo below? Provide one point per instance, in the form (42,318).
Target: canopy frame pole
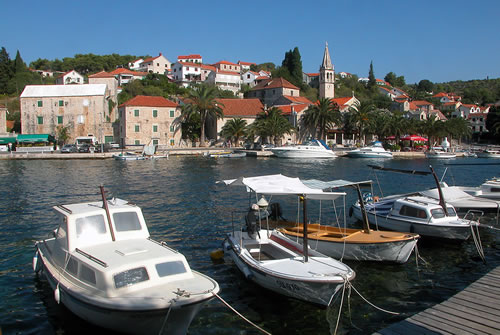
(305,241)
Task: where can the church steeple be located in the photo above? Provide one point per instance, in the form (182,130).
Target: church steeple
(326,76)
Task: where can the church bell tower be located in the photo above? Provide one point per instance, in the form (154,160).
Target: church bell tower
(326,76)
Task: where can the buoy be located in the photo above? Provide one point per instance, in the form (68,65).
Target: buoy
(217,255)
(57,294)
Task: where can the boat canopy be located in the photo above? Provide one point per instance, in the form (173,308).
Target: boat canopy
(325,185)
(279,184)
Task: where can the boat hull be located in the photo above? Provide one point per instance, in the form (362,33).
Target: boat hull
(283,153)
(319,291)
(396,223)
(445,155)
(167,320)
(365,154)
(397,252)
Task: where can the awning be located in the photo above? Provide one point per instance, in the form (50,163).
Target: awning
(7,140)
(35,138)
(282,185)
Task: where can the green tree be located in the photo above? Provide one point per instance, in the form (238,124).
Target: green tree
(361,115)
(397,125)
(6,72)
(372,82)
(391,78)
(433,128)
(425,86)
(321,117)
(493,121)
(202,100)
(458,128)
(291,68)
(380,124)
(234,129)
(62,135)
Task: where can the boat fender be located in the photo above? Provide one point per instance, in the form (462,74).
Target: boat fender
(57,295)
(246,272)
(217,255)
(37,265)
(350,212)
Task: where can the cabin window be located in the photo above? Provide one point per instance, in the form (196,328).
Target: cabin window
(72,266)
(495,190)
(413,212)
(87,274)
(126,221)
(90,226)
(131,277)
(170,268)
(62,236)
(438,213)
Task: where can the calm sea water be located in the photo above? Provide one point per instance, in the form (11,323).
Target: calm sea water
(185,207)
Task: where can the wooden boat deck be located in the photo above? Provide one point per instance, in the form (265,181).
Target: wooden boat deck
(475,310)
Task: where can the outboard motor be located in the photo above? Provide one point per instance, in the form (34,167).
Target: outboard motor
(276,211)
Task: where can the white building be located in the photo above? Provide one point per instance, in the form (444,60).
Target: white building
(225,80)
(185,73)
(158,64)
(70,77)
(190,59)
(136,64)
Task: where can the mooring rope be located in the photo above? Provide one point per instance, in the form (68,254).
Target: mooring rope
(239,314)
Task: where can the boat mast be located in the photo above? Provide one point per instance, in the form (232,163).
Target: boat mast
(106,208)
(304,214)
(442,203)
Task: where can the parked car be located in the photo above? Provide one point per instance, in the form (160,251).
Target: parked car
(68,148)
(84,148)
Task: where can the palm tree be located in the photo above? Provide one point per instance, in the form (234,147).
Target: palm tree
(234,129)
(397,125)
(321,117)
(271,123)
(202,100)
(361,116)
(380,124)
(433,128)
(458,128)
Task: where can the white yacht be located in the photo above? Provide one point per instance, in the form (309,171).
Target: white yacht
(309,149)
(490,189)
(374,150)
(105,268)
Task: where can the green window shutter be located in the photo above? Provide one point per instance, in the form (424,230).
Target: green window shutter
(40,103)
(155,113)
(40,119)
(155,142)
(172,142)
(172,129)
(137,142)
(137,128)
(172,113)
(155,129)
(136,112)
(59,120)
(61,103)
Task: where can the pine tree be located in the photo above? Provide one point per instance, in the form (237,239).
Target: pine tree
(5,70)
(19,65)
(371,77)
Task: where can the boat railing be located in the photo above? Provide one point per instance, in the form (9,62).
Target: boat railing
(473,215)
(92,258)
(163,244)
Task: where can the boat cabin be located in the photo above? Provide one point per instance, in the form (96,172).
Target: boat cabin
(84,247)
(420,208)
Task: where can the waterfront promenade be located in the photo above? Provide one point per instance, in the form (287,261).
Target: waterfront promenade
(171,152)
(475,310)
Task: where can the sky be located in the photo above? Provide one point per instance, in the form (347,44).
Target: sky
(438,40)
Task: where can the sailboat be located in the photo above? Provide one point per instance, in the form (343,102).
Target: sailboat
(272,260)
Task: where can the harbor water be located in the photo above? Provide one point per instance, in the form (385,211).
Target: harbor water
(185,207)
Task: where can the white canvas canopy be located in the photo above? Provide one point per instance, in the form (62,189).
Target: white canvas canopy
(279,184)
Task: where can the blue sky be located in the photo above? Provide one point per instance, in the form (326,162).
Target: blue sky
(436,40)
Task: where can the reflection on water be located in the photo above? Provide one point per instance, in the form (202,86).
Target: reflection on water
(185,207)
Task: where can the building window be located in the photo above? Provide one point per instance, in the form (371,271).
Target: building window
(80,119)
(172,113)
(172,142)
(155,128)
(61,103)
(137,142)
(40,103)
(155,142)
(137,128)
(172,129)
(59,120)
(136,112)
(40,119)
(155,113)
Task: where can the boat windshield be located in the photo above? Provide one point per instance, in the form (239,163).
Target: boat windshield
(311,143)
(438,213)
(131,277)
(126,221)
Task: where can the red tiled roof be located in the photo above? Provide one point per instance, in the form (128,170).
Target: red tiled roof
(241,107)
(287,109)
(274,83)
(225,62)
(439,114)
(150,59)
(208,67)
(245,63)
(421,103)
(440,95)
(102,74)
(148,101)
(261,78)
(342,101)
(299,99)
(122,70)
(189,57)
(312,74)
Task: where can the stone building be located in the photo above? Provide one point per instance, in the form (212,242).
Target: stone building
(158,64)
(270,90)
(326,76)
(70,77)
(145,119)
(83,109)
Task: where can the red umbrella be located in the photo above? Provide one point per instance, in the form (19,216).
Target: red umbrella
(414,138)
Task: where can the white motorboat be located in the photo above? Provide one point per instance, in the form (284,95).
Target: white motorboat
(418,214)
(105,268)
(129,156)
(490,189)
(374,150)
(488,153)
(225,154)
(277,263)
(440,154)
(309,149)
